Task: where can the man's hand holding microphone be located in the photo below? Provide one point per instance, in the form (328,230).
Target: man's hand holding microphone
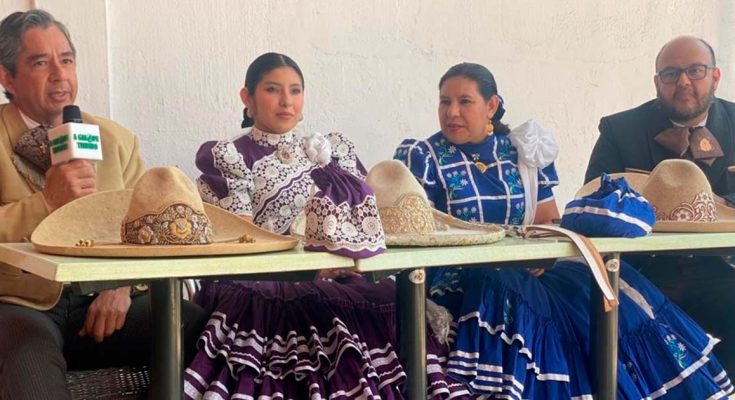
(72,145)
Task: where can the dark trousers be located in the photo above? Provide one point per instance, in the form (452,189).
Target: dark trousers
(36,348)
(704,287)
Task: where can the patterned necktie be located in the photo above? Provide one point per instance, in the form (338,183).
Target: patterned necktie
(698,140)
(33,147)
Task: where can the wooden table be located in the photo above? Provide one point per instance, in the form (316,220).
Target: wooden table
(520,252)
(165,275)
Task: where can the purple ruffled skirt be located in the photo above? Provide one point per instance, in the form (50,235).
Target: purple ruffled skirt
(308,340)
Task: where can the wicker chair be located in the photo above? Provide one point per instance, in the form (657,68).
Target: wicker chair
(126,383)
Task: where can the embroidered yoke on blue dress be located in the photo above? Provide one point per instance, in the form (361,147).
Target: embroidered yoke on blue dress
(456,186)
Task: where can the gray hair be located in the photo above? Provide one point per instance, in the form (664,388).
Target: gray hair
(12,29)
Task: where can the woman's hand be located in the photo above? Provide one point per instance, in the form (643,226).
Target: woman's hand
(334,273)
(536,271)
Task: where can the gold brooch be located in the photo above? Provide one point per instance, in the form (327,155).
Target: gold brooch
(284,155)
(479,164)
(705,145)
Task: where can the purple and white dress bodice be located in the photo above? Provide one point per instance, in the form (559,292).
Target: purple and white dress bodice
(266,175)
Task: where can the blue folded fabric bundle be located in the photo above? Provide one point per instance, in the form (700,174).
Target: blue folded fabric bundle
(614,210)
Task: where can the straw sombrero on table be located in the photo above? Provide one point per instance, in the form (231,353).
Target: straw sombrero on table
(408,218)
(163,216)
(680,195)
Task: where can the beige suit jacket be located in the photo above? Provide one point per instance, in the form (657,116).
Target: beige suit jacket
(22,206)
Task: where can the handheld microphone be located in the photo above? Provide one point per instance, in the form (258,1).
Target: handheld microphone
(74,140)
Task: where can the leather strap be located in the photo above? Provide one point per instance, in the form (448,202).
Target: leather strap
(587,250)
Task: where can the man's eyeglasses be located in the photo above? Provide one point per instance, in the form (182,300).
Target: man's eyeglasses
(694,72)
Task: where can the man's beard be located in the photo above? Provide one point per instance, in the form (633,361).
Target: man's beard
(675,115)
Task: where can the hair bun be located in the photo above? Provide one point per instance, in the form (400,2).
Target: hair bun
(247,122)
(501,109)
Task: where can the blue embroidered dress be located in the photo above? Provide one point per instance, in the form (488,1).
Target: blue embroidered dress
(511,340)
(507,321)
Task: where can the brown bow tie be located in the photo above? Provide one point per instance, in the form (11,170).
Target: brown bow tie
(33,147)
(700,142)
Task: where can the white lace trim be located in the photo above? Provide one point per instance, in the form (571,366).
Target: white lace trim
(353,227)
(271,174)
(266,139)
(279,211)
(239,182)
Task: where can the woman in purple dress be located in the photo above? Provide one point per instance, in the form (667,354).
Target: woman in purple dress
(331,339)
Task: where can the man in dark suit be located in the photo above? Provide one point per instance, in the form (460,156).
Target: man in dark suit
(686,80)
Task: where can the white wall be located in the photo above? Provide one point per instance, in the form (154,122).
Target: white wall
(171,70)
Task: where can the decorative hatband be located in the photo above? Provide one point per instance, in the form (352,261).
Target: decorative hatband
(177,224)
(411,214)
(702,209)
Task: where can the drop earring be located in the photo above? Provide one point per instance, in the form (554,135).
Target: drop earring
(489,127)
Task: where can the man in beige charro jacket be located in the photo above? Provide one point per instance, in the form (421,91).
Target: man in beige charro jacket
(44,326)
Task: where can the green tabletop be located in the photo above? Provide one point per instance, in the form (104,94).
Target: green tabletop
(86,269)
(512,249)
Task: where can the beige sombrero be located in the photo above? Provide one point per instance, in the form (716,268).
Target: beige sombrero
(408,218)
(163,216)
(681,196)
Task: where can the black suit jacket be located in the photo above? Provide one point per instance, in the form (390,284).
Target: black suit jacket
(626,141)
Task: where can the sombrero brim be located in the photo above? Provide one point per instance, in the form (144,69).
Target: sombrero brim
(637,181)
(454,232)
(97,217)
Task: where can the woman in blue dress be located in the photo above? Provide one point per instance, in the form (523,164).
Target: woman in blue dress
(477,169)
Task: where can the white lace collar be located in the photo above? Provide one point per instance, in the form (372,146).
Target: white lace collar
(271,139)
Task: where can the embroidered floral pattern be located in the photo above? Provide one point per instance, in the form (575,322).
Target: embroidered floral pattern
(177,224)
(456,181)
(353,227)
(466,213)
(447,282)
(505,151)
(702,209)
(677,349)
(513,179)
(517,212)
(444,150)
(411,215)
